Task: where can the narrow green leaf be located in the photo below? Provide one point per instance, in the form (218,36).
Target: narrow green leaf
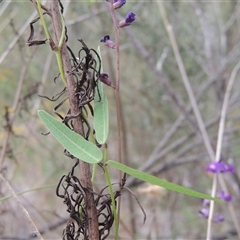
(73,142)
(159,182)
(101,114)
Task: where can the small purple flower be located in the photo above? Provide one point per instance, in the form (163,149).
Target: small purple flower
(104,77)
(130,17)
(218,218)
(205,202)
(225,197)
(118,3)
(106,40)
(219,167)
(204,212)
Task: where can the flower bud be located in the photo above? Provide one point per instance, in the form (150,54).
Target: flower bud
(106,40)
(130,17)
(118,3)
(104,78)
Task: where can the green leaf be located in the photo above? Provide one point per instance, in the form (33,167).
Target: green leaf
(159,182)
(73,142)
(101,114)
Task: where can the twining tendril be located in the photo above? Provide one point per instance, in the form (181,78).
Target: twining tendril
(74,194)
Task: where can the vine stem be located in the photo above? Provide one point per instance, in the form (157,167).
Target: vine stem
(107,175)
(117,100)
(40,12)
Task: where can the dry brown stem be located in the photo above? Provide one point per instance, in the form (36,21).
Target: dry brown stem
(85,173)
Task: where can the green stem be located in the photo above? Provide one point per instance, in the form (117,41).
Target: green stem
(60,66)
(111,192)
(42,19)
(58,52)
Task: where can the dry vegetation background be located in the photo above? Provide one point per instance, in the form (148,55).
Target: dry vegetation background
(161,133)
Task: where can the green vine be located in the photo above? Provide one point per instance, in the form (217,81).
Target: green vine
(111,192)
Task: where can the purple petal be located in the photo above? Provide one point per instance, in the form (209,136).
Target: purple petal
(104,77)
(231,168)
(205,202)
(223,166)
(105,38)
(118,3)
(218,218)
(130,17)
(203,212)
(213,167)
(226,167)
(219,167)
(225,197)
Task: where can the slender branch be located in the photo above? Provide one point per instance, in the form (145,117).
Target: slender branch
(24,210)
(40,12)
(218,153)
(3,7)
(186,81)
(117,100)
(197,112)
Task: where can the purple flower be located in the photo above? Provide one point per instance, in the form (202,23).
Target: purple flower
(104,77)
(204,212)
(130,17)
(219,167)
(205,202)
(218,218)
(118,3)
(225,197)
(106,40)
